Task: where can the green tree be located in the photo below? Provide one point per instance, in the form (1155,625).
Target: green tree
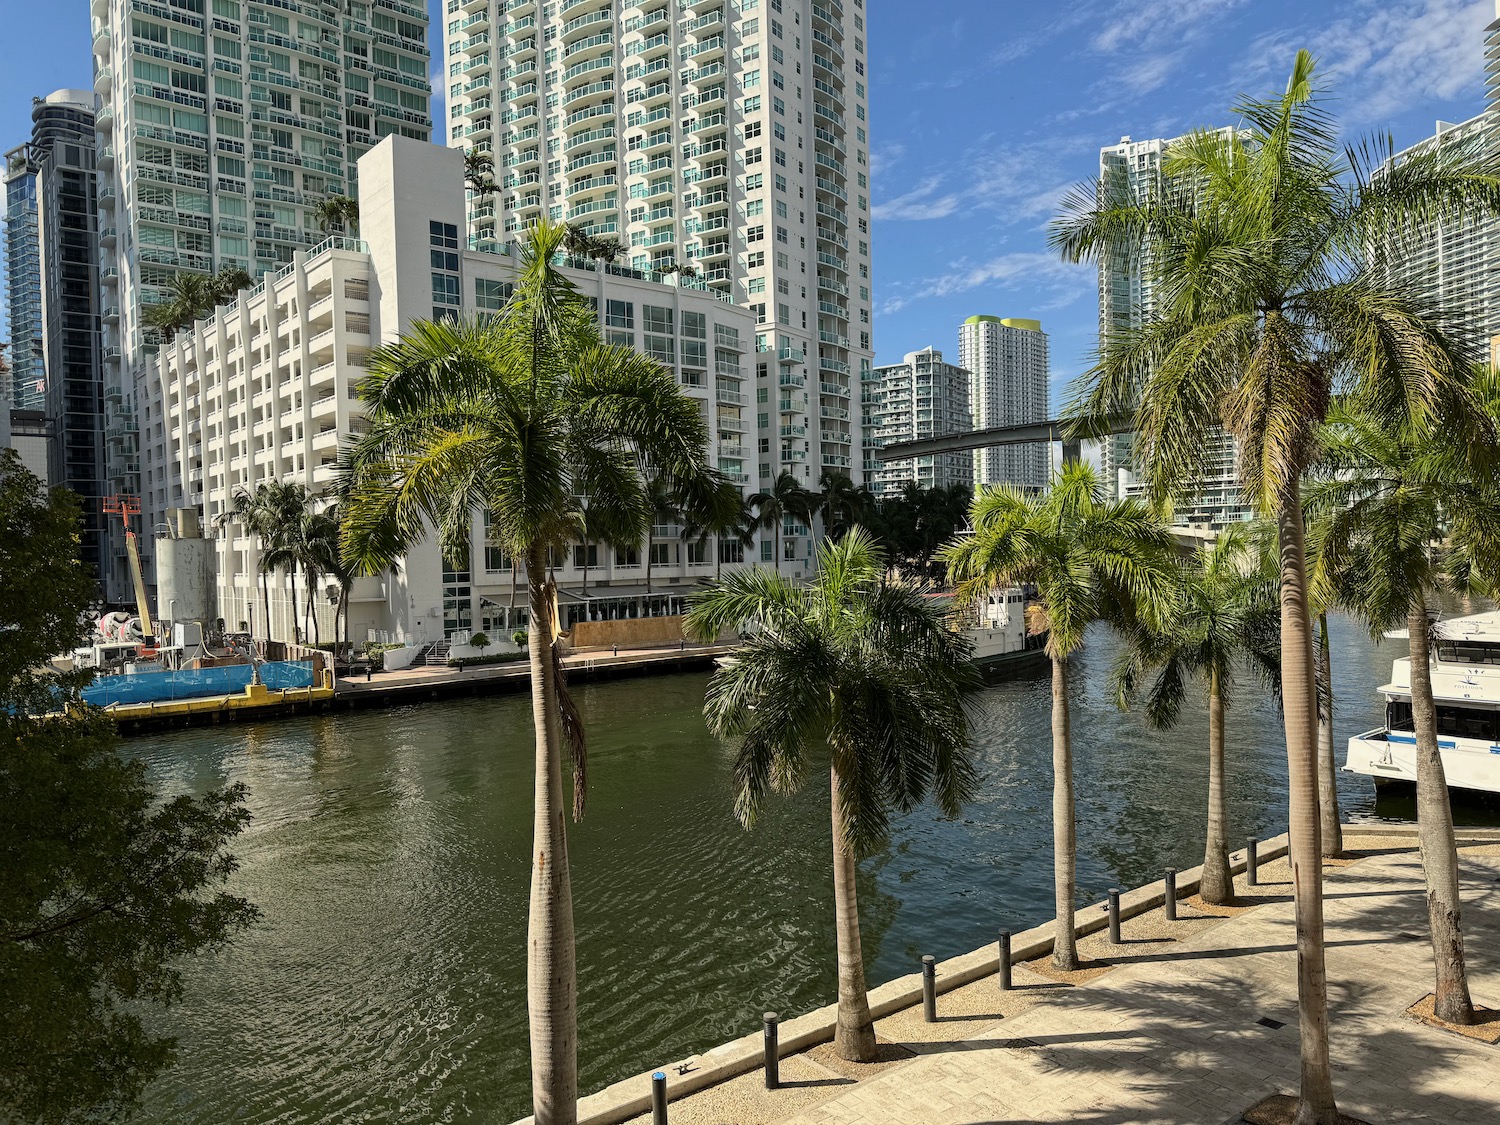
(107,889)
(479,171)
(1090,560)
(225,286)
(785,498)
(522,415)
(720,512)
(318,547)
(284,546)
(189,297)
(338,214)
(1383,501)
(1225,612)
(866,667)
(1266,247)
(840,503)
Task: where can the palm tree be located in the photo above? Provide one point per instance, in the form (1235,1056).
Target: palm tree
(1226,610)
(840,502)
(720,512)
(1265,248)
(785,498)
(665,509)
(1325,591)
(522,415)
(225,285)
(188,298)
(251,510)
(283,543)
(577,241)
(1090,560)
(1383,499)
(317,543)
(479,171)
(867,667)
(337,213)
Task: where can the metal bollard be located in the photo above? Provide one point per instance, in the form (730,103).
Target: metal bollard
(658,1099)
(1252,878)
(617,650)
(773,1053)
(1171,894)
(929,988)
(1114,916)
(1005,960)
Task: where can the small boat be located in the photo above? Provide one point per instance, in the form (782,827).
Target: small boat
(1001,641)
(1465,669)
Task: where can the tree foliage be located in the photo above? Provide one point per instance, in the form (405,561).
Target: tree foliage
(106,888)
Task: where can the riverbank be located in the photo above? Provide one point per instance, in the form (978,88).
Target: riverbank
(1187,1021)
(421,684)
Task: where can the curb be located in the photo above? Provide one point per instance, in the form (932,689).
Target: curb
(631,1097)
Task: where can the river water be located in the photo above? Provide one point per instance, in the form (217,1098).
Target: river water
(389,855)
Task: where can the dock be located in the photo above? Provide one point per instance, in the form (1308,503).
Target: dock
(422,684)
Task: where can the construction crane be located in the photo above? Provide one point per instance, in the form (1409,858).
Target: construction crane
(125,507)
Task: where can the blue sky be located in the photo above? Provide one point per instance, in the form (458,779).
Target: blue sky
(984,111)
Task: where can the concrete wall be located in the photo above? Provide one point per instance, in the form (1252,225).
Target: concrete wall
(633,631)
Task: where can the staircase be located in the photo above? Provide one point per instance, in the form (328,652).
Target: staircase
(437,654)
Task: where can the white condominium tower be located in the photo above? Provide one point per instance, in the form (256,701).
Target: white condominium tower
(726,136)
(1007,363)
(1127,299)
(222,124)
(920,397)
(1455,267)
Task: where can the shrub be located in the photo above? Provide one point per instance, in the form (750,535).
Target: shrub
(519,638)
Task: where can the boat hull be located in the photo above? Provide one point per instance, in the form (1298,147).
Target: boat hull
(1391,757)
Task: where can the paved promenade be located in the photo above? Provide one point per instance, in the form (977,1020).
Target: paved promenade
(1175,1031)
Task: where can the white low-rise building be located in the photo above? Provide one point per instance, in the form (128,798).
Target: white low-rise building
(268,390)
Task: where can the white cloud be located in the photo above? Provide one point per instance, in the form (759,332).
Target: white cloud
(919,204)
(1135,25)
(1048,282)
(885,157)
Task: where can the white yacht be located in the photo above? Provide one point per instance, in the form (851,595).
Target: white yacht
(1465,667)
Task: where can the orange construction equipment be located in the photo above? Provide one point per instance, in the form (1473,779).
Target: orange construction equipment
(125,507)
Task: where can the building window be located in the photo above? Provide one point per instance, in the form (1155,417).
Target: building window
(445,289)
(492,295)
(619,314)
(443,235)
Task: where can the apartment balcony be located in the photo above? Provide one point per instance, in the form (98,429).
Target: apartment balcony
(103,77)
(794,431)
(107,235)
(589,47)
(105,158)
(696,6)
(834,437)
(110,275)
(99,9)
(707,24)
(834,390)
(581,25)
(791,379)
(104,120)
(728,397)
(793,456)
(110,314)
(102,40)
(703,75)
(790,355)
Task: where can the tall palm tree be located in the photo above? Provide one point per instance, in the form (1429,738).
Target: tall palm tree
(719,512)
(337,214)
(866,667)
(1384,499)
(786,497)
(283,547)
(225,285)
(479,171)
(840,503)
(577,241)
(1226,610)
(1265,249)
(188,298)
(1326,591)
(521,415)
(317,544)
(251,510)
(1090,560)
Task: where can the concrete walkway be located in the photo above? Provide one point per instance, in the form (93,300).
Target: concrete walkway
(1195,1022)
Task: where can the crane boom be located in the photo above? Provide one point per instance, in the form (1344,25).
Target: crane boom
(125,507)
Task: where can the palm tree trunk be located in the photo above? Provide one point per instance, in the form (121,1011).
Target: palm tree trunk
(551,974)
(265,597)
(296,632)
(1300,714)
(776,532)
(1064,832)
(1328,767)
(648,562)
(1435,834)
(1217,886)
(312,611)
(854,1035)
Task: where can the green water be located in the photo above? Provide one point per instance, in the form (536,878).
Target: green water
(389,855)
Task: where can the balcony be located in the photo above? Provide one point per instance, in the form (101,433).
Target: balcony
(103,77)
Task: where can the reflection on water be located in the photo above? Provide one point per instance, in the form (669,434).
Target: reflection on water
(389,855)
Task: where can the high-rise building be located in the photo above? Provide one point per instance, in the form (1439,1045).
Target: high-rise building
(1007,363)
(54,268)
(222,125)
(1454,268)
(267,390)
(920,397)
(1127,299)
(25,383)
(725,136)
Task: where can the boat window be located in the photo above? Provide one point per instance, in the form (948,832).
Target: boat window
(1452,722)
(1468,652)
